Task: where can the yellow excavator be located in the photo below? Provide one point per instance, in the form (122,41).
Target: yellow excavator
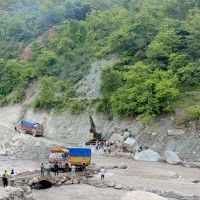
(94,134)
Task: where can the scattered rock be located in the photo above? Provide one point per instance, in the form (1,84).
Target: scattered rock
(172,118)
(172,158)
(118,186)
(110,184)
(139,195)
(68,183)
(148,156)
(58,184)
(27,190)
(176,132)
(175,176)
(116,137)
(123,166)
(30,183)
(125,135)
(196,181)
(35,180)
(74,181)
(37,144)
(154,134)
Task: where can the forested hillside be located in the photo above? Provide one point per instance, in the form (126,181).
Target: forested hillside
(157,42)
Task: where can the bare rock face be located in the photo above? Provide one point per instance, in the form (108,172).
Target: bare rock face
(139,195)
(172,158)
(147,156)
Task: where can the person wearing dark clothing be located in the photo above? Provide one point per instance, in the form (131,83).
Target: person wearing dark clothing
(56,168)
(15,128)
(5,179)
(42,170)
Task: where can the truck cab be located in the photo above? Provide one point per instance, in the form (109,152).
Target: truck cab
(68,156)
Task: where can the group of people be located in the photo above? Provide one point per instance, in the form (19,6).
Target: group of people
(6,176)
(42,169)
(105,145)
(143,148)
(55,168)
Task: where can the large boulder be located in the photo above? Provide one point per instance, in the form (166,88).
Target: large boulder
(172,158)
(139,195)
(35,180)
(148,156)
(123,166)
(126,134)
(110,184)
(130,144)
(116,137)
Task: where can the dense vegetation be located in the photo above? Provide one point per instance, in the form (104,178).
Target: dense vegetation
(157,41)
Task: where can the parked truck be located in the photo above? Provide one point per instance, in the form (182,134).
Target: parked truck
(33,128)
(68,156)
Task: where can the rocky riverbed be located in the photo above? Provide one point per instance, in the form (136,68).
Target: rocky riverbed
(122,175)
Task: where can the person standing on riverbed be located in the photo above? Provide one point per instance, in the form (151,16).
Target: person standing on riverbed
(73,170)
(56,168)
(42,170)
(48,169)
(5,179)
(12,178)
(102,173)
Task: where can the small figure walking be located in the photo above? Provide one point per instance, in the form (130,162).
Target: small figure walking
(97,145)
(102,174)
(73,170)
(5,179)
(104,149)
(12,178)
(49,169)
(56,168)
(15,128)
(42,170)
(109,149)
(19,130)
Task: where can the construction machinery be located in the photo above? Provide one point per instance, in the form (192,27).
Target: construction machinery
(94,134)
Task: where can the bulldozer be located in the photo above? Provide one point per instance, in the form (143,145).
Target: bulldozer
(94,134)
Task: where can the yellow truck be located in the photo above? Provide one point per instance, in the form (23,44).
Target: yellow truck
(68,156)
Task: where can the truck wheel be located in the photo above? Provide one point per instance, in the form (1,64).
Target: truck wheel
(83,167)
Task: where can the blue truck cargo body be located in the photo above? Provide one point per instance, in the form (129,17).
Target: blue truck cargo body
(79,151)
(28,123)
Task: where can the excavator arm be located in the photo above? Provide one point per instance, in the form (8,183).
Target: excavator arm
(92,125)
